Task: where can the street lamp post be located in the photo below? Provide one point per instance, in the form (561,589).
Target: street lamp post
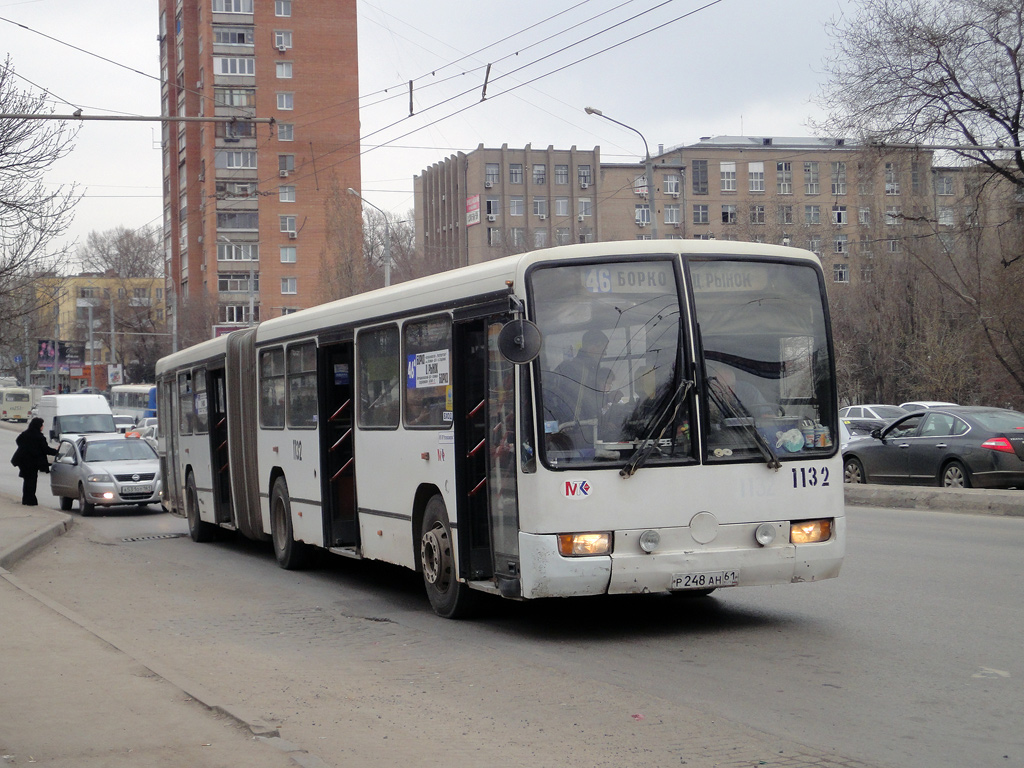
(387,237)
(648,166)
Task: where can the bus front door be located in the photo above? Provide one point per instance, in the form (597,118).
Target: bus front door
(485,445)
(337,446)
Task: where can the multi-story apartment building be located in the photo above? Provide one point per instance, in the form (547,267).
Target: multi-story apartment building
(476,206)
(245,202)
(846,203)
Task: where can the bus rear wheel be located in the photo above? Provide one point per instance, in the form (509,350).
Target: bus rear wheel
(450,598)
(291,555)
(198,529)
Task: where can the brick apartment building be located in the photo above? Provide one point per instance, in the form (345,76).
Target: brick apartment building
(245,217)
(846,203)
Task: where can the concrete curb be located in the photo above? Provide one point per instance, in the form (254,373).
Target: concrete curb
(975,501)
(12,554)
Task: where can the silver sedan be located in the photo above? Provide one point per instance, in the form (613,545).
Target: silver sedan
(105,470)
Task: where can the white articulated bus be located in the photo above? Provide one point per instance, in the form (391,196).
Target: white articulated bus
(609,418)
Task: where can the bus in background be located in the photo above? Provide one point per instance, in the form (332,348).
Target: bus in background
(135,400)
(607,418)
(15,403)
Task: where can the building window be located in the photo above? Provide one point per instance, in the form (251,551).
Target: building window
(288,223)
(561,174)
(671,184)
(944,185)
(232,6)
(755,172)
(915,178)
(812,214)
(727,171)
(516,205)
(540,174)
(493,236)
(757,214)
(286,132)
(517,237)
(784,178)
(233,35)
(540,206)
(239,159)
(237,282)
(238,220)
(864,216)
(865,246)
(867,273)
(286,163)
(812,182)
(584,206)
(234,131)
(785,214)
(540,238)
(672,214)
(583,176)
(701,214)
(492,174)
(840,244)
(515,173)
(289,285)
(492,206)
(892,179)
(728,214)
(238,251)
(700,177)
(286,194)
(289,254)
(839,215)
(562,207)
(642,214)
(238,313)
(894,245)
(286,101)
(282,39)
(241,65)
(640,185)
(840,273)
(814,244)
(282,7)
(838,178)
(284,70)
(947,218)
(893,216)
(563,236)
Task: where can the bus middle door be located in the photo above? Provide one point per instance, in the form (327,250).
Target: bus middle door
(337,446)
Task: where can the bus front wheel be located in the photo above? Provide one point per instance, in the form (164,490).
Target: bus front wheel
(291,555)
(199,530)
(450,598)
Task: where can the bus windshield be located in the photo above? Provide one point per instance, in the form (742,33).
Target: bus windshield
(610,363)
(763,332)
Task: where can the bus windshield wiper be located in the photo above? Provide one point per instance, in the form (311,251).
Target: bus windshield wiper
(730,405)
(649,442)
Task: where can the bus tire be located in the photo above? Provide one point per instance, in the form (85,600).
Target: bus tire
(291,555)
(83,505)
(65,503)
(450,598)
(198,529)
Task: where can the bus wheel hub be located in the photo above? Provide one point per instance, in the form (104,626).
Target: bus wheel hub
(434,554)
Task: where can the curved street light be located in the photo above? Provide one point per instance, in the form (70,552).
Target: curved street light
(387,236)
(648,166)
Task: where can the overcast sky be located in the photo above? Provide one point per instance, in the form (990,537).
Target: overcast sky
(703,68)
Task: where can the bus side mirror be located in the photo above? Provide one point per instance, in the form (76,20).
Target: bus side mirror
(519,341)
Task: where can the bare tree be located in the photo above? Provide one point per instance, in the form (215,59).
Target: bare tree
(32,216)
(128,253)
(344,263)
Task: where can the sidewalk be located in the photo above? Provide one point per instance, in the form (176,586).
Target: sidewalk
(73,698)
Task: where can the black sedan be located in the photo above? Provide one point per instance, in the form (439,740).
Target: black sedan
(957,447)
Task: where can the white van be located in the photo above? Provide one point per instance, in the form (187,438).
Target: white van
(75,415)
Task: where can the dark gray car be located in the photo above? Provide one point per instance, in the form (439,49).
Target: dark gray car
(958,447)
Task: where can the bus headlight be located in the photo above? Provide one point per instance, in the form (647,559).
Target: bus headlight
(584,544)
(810,531)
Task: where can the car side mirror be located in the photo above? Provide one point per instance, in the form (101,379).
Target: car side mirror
(67,460)
(877,433)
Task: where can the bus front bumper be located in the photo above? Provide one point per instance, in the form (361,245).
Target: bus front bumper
(734,558)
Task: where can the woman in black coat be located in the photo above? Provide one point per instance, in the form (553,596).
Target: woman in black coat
(30,459)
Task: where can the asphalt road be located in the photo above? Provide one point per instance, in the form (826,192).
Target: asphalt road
(911,659)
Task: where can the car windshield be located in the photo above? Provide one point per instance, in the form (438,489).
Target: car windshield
(1000,421)
(118,450)
(88,423)
(608,375)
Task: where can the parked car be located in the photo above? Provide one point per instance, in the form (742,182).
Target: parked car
(924,405)
(955,447)
(124,423)
(871,416)
(105,470)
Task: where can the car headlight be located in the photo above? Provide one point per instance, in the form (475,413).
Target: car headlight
(100,477)
(810,531)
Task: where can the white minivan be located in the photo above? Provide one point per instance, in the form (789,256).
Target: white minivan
(64,415)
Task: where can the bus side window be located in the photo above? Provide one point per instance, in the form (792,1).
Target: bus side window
(185,402)
(302,398)
(380,377)
(202,416)
(272,388)
(428,348)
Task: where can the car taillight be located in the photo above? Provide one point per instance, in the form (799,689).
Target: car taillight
(998,444)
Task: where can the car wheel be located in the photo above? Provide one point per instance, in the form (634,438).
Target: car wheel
(198,529)
(853,471)
(291,555)
(65,503)
(449,597)
(955,475)
(83,505)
